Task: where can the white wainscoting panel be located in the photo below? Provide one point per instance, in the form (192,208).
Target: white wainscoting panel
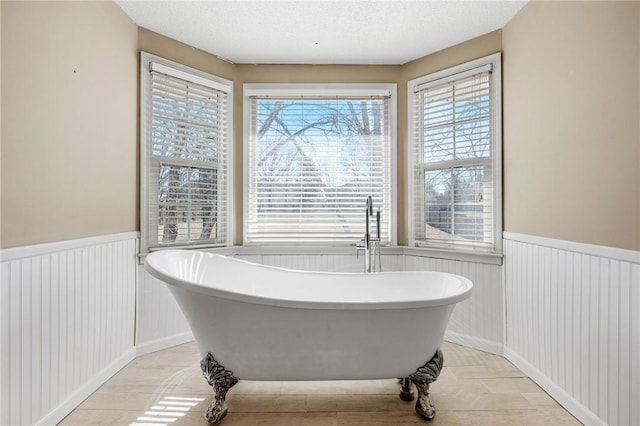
(477,322)
(573,324)
(66,324)
(160,322)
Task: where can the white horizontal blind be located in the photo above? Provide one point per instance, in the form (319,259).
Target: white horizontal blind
(453,127)
(312,163)
(187,160)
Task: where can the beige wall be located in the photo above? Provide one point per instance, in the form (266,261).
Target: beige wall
(571,122)
(167,48)
(68,121)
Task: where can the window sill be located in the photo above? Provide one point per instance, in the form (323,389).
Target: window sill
(312,250)
(466,256)
(477,257)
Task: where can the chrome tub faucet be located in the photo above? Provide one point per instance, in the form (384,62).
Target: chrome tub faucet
(370,245)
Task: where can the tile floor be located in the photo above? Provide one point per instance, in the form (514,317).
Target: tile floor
(474,388)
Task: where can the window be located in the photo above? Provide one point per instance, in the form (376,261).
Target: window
(185,155)
(313,154)
(455,143)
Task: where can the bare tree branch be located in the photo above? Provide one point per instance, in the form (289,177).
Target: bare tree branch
(267,123)
(354,117)
(291,136)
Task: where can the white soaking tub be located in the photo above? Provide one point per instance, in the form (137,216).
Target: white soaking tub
(257,322)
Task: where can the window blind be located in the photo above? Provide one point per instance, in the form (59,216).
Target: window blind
(311,163)
(454,158)
(187,159)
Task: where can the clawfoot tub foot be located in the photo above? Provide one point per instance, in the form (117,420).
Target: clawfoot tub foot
(424,376)
(221,380)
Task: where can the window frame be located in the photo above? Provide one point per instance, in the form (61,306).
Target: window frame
(439,248)
(196,76)
(320,89)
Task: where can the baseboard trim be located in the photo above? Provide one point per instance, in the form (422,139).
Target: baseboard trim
(474,342)
(163,343)
(578,410)
(83,392)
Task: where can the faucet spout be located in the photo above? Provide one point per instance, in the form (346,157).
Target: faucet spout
(367,241)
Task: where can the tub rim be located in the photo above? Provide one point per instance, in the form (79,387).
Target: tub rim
(150,265)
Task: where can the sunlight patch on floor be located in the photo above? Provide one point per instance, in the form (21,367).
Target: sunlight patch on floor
(166,411)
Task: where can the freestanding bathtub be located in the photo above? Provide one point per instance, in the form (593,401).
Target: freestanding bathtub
(257,322)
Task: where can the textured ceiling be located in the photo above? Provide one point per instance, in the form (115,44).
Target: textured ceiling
(321,32)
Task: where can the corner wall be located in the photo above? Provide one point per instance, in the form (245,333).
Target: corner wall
(572,203)
(69,204)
